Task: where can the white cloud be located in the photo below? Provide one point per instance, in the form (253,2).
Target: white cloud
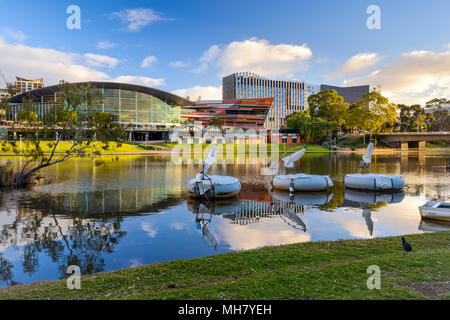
(54,65)
(179,64)
(206,93)
(105,45)
(270,232)
(257,55)
(357,64)
(415,77)
(97,60)
(140,80)
(147,227)
(138,18)
(135,262)
(12,34)
(178,226)
(148,61)
(207,57)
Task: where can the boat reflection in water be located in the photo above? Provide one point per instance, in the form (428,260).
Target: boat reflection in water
(204,211)
(370,200)
(304,198)
(249,211)
(428,225)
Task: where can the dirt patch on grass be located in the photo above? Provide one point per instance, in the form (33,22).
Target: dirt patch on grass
(432,289)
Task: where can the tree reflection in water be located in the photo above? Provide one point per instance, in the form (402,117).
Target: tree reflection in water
(69,239)
(5,271)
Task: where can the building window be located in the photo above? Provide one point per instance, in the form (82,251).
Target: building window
(294,140)
(284,140)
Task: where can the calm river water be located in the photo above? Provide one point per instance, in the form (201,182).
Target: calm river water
(135,211)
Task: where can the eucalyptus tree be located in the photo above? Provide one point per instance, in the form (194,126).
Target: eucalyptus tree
(328,106)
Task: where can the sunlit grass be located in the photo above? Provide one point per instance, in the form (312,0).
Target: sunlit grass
(311,270)
(63,146)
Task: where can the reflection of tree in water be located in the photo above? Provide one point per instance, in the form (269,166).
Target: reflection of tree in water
(87,242)
(69,240)
(337,199)
(5,271)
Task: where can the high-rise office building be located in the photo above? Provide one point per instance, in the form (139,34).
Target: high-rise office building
(289,96)
(25,85)
(3,93)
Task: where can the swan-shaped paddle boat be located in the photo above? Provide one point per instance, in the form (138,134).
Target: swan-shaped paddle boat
(213,187)
(300,181)
(372,181)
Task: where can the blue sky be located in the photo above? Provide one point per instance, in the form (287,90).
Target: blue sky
(191,44)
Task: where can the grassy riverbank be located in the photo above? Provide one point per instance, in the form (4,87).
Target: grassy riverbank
(7,148)
(47,147)
(313,270)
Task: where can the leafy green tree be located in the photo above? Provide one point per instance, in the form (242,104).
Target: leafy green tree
(27,115)
(66,116)
(437,103)
(81,126)
(216,122)
(4,103)
(412,118)
(302,122)
(441,117)
(328,106)
(381,114)
(356,117)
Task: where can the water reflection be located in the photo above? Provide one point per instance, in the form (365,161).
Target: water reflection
(204,211)
(369,201)
(245,212)
(135,211)
(427,225)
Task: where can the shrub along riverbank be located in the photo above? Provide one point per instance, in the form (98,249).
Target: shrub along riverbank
(312,270)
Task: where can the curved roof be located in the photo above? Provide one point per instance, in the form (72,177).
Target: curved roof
(170,98)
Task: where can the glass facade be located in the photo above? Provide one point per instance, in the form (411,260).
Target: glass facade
(126,106)
(289,96)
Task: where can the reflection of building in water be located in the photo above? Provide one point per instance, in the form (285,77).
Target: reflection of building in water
(251,211)
(136,200)
(243,213)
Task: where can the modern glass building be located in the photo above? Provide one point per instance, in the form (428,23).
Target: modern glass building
(141,107)
(289,96)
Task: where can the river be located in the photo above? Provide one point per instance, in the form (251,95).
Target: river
(135,211)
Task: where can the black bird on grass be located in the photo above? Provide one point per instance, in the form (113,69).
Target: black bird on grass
(406,246)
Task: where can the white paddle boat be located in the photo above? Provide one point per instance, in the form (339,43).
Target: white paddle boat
(372,181)
(300,182)
(213,187)
(437,210)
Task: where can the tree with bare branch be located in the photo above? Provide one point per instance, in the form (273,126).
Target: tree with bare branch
(72,118)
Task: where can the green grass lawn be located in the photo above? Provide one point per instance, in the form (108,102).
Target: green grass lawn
(47,147)
(436,145)
(312,270)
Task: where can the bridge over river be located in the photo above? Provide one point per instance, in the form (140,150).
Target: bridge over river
(405,140)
